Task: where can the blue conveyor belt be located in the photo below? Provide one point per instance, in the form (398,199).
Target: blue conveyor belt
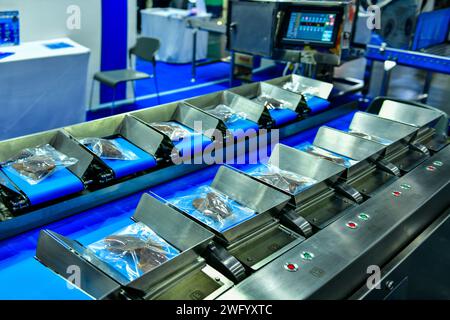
(191,144)
(317,104)
(59,184)
(123,168)
(22,277)
(283,116)
(239,127)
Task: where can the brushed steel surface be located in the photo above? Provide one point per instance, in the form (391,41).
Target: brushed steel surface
(239,104)
(345,144)
(236,185)
(342,254)
(409,114)
(303,163)
(162,218)
(381,127)
(253,90)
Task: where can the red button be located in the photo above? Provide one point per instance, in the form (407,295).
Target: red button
(396,194)
(431,168)
(352,225)
(292,267)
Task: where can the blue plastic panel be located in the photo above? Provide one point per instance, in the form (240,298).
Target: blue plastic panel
(410,59)
(432,29)
(61,183)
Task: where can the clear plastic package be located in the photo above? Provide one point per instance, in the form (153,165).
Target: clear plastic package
(108,149)
(172,129)
(133,251)
(37,164)
(285,180)
(226,114)
(371,138)
(298,87)
(327,155)
(213,208)
(271,103)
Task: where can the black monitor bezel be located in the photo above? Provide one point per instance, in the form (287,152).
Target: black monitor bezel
(290,43)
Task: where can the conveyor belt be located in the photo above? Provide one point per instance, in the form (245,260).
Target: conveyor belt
(61,183)
(23,277)
(122,168)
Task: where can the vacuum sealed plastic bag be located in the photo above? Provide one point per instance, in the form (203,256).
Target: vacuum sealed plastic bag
(36,164)
(272,103)
(134,250)
(327,155)
(226,114)
(285,180)
(172,129)
(371,138)
(108,149)
(213,208)
(298,87)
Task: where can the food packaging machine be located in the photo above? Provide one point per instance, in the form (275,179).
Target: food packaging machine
(160,138)
(349,193)
(252,224)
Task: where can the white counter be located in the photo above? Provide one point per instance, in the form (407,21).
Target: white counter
(169,26)
(42,88)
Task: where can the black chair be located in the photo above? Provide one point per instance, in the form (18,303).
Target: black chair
(144,49)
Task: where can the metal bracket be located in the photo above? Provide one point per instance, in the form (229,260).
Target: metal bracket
(297,223)
(349,192)
(388,167)
(420,148)
(224,262)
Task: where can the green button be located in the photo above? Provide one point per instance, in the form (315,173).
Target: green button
(364,216)
(405,186)
(307,256)
(438,163)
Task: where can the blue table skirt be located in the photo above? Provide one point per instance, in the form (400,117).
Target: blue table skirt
(123,168)
(59,184)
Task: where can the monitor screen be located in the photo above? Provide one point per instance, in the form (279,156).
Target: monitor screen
(9,28)
(311,27)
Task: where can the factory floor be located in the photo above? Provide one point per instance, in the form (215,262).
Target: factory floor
(174,81)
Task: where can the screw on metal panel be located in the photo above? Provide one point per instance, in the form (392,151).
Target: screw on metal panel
(390,284)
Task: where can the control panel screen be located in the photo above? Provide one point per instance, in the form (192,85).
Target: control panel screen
(9,28)
(311,27)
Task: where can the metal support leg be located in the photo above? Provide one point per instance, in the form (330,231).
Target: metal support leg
(367,77)
(231,81)
(92,94)
(194,55)
(113,105)
(427,86)
(388,67)
(134,91)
